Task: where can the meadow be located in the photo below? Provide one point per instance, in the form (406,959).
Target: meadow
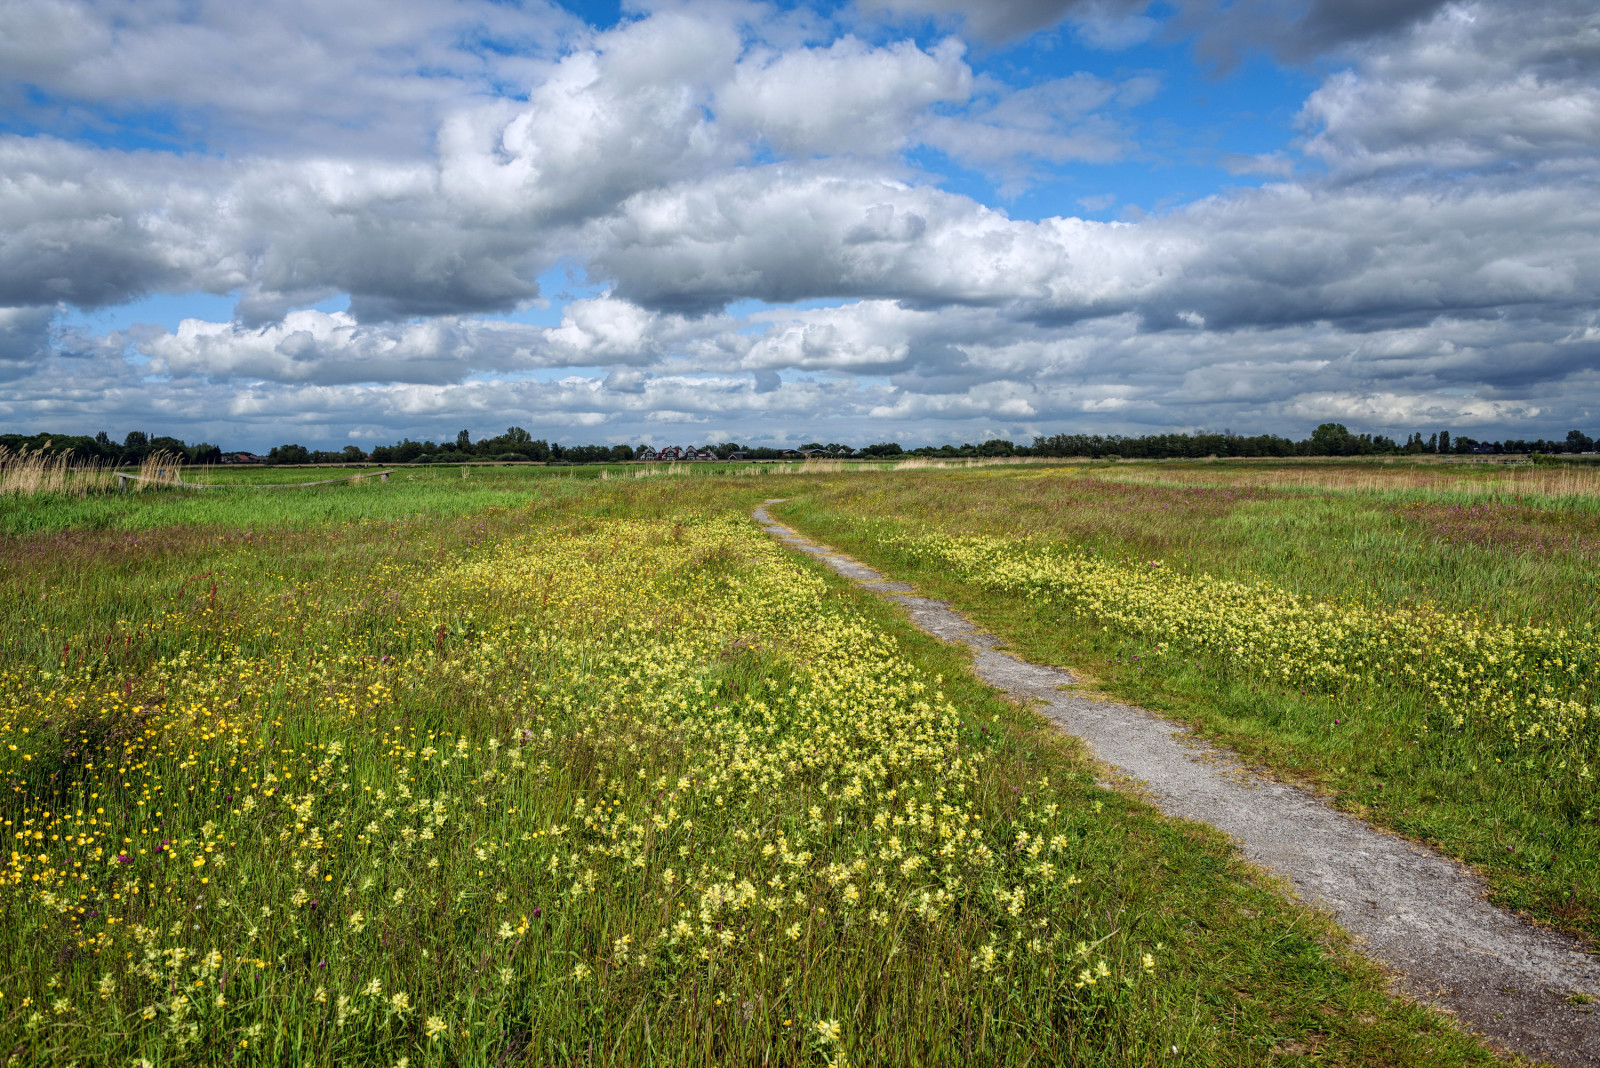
(1416,641)
(523,767)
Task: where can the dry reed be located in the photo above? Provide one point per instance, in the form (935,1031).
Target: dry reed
(32,472)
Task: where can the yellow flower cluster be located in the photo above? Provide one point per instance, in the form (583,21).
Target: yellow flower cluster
(597,759)
(1532,687)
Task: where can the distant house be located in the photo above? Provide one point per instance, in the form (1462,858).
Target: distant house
(670,452)
(738,454)
(645,452)
(702,454)
(811,454)
(241,458)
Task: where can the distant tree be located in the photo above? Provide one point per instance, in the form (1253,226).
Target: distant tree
(1444,441)
(1578,441)
(1331,439)
(289,454)
(883,448)
(352,454)
(204,453)
(102,439)
(463,441)
(136,439)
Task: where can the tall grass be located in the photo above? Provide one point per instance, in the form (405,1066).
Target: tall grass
(31,473)
(34,473)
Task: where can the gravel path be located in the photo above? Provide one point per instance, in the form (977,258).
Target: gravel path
(1419,913)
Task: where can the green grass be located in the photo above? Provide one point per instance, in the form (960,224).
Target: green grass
(242,498)
(1537,841)
(164,669)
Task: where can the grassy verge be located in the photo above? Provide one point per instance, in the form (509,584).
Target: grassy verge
(599,775)
(1524,814)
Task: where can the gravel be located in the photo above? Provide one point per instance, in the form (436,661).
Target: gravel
(1417,912)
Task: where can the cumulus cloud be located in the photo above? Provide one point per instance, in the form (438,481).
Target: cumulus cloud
(847,98)
(1443,265)
(318,347)
(360,75)
(623,115)
(1479,87)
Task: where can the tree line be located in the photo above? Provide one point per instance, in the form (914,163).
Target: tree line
(518,444)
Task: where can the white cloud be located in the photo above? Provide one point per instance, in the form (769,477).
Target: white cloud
(1479,86)
(1054,121)
(1452,252)
(847,98)
(367,76)
(623,115)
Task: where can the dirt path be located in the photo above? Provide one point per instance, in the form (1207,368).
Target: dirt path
(1417,912)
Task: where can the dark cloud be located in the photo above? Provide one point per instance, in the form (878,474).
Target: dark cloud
(1294,30)
(1000,20)
(24,339)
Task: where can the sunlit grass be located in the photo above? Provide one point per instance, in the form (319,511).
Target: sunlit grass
(1432,664)
(603,775)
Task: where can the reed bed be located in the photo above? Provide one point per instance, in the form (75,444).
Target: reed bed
(29,473)
(35,473)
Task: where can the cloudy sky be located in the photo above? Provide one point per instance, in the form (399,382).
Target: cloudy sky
(336,221)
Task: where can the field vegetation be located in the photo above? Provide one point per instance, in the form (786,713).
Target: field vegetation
(515,768)
(1418,641)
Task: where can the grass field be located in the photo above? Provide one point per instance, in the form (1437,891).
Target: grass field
(1416,640)
(519,767)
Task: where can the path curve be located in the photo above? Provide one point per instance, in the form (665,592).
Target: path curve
(1412,909)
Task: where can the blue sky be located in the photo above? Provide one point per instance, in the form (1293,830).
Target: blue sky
(924,220)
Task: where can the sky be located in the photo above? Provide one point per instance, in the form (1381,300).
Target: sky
(341,222)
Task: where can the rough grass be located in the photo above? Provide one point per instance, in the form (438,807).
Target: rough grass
(183,685)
